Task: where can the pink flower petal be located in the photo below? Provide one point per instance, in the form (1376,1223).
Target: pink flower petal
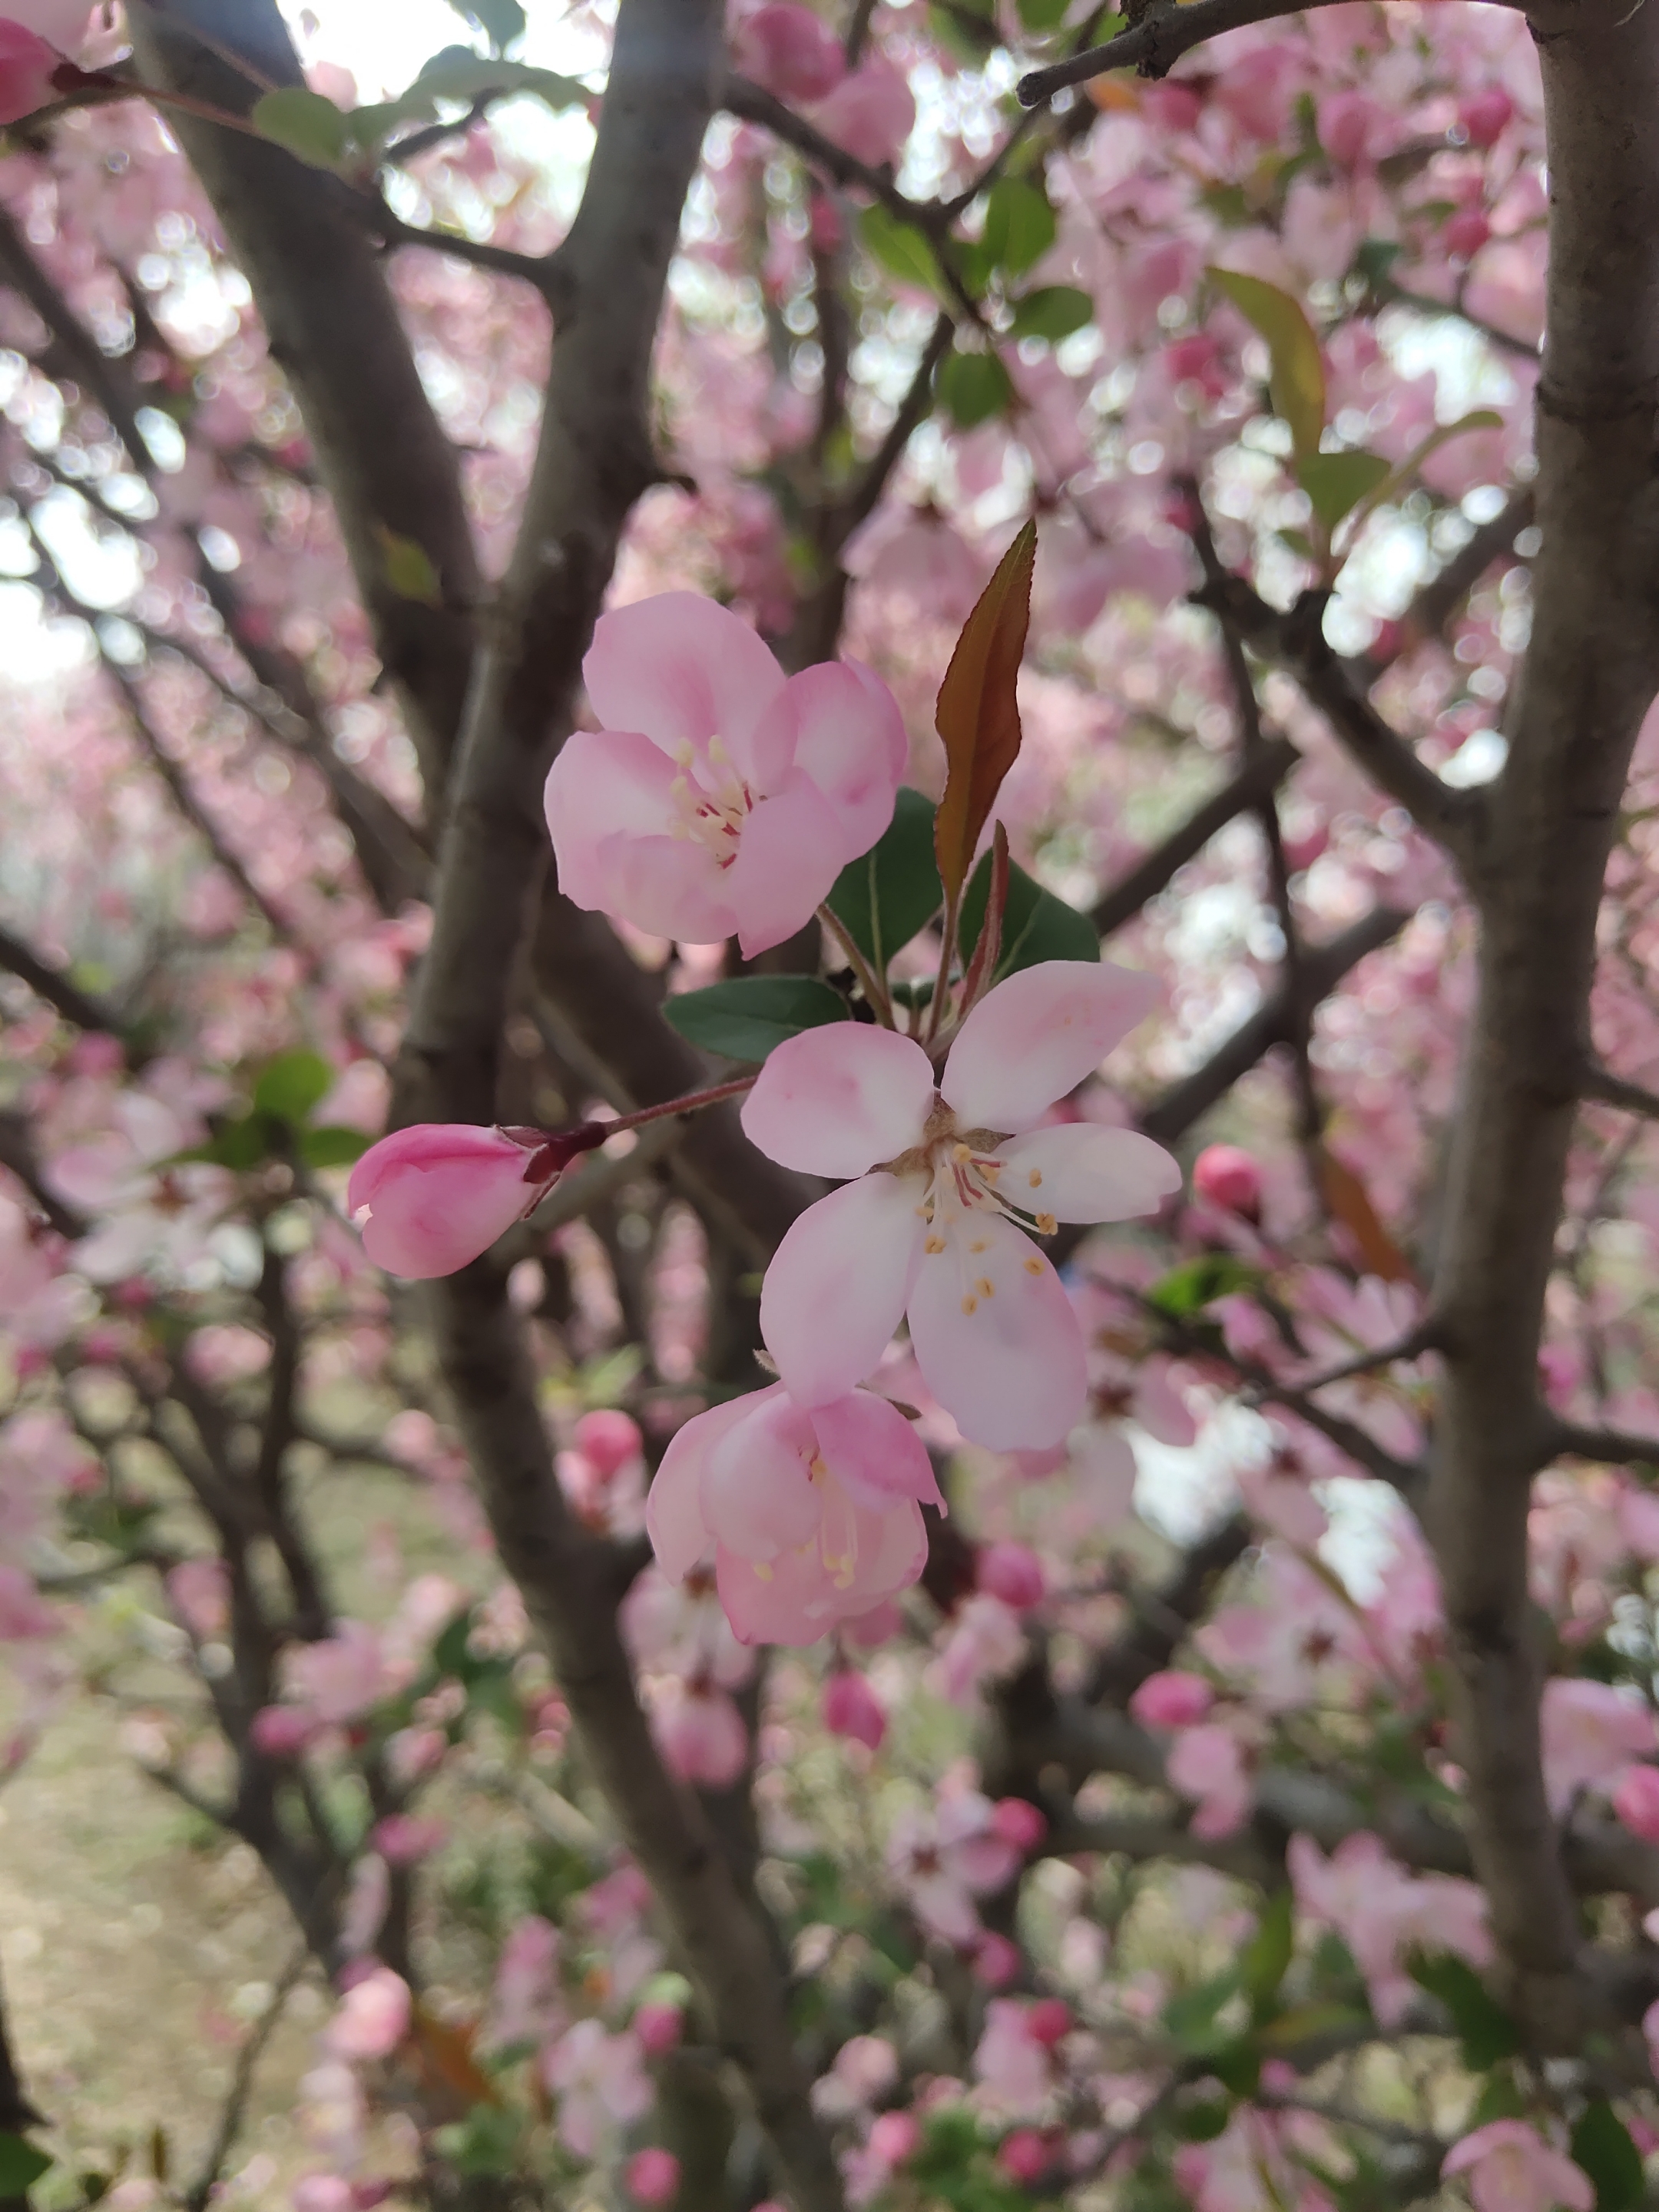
(844,729)
(669,886)
(1008,1364)
(601,783)
(1082,1172)
(793,1599)
(837,1285)
(834,1100)
(874,1453)
(1038,1035)
(673,1508)
(789,854)
(758,1496)
(682,669)
(438,1194)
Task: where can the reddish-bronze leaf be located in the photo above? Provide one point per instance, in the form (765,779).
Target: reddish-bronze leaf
(977,716)
(1350,1203)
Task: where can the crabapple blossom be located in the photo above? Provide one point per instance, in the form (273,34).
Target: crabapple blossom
(1636,1802)
(651,2176)
(1172,1701)
(1383,1913)
(1511,2168)
(945,1858)
(790,50)
(813,1513)
(428,1200)
(700,1732)
(1013,1573)
(373,2019)
(1226,1176)
(659,2028)
(948,1180)
(851,1708)
(718,798)
(1590,1733)
(27,62)
(599,2083)
(1024,2156)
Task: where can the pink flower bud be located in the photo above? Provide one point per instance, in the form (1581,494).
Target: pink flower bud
(659,2028)
(1013,1573)
(1023,2156)
(1635,1800)
(1485,116)
(894,2138)
(1048,2019)
(281,1732)
(1019,1822)
(996,1961)
(1280,2078)
(851,1708)
(608,1439)
(790,51)
(652,2176)
(27,66)
(428,1200)
(1465,233)
(1171,1700)
(403,1839)
(1225,1177)
(373,2019)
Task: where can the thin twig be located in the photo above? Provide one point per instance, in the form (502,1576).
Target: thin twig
(234,2110)
(1600,1083)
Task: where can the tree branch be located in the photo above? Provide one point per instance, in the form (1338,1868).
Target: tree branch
(52,985)
(1157,41)
(752,103)
(1600,1083)
(1610,1447)
(1258,777)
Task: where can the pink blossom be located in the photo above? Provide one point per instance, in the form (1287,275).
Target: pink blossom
(1013,1573)
(24,1615)
(1207,1763)
(429,1199)
(947,1856)
(27,64)
(871,113)
(1171,1700)
(659,2028)
(1382,1913)
(894,2138)
(1635,1800)
(373,2019)
(1012,2060)
(402,1839)
(321,2192)
(63,24)
(608,1439)
(1229,1178)
(813,1514)
(1246,2169)
(281,1732)
(1019,1822)
(523,2004)
(599,2082)
(1024,2156)
(699,1732)
(790,51)
(996,1961)
(1512,2169)
(851,1708)
(1486,115)
(200,1591)
(1590,1733)
(651,2176)
(932,1228)
(717,800)
(864,2069)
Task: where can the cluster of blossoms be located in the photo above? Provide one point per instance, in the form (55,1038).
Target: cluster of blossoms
(719,799)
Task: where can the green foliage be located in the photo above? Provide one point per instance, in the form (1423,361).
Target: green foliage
(901,250)
(501,20)
(1040,15)
(1020,225)
(1485,2030)
(1336,483)
(972,387)
(407,568)
(1298,378)
(954,2166)
(1036,925)
(1191,2018)
(485,2142)
(307,124)
(1195,1284)
(22,2166)
(1602,2145)
(1267,1957)
(885,898)
(1052,312)
(746,1017)
(293,1086)
(332,1147)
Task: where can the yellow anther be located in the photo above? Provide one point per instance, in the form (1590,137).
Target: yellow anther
(934,1244)
(717,750)
(763,1572)
(985,1287)
(1033,1266)
(1046,1224)
(1035,1178)
(978,1245)
(970,1305)
(960,1152)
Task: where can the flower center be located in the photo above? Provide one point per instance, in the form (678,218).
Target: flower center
(711,799)
(962,1178)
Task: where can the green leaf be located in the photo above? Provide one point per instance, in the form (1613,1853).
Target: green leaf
(973,387)
(20,2165)
(1308,2022)
(407,568)
(1036,925)
(1298,380)
(308,125)
(455,74)
(1266,1956)
(1201,2122)
(293,1084)
(1602,2145)
(485,2142)
(894,890)
(1394,479)
(1192,2017)
(1195,1284)
(1020,225)
(744,1018)
(1040,15)
(1335,482)
(1052,312)
(334,1146)
(901,250)
(244,1141)
(501,20)
(1485,2030)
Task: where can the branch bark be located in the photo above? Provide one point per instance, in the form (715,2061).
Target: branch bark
(1257,779)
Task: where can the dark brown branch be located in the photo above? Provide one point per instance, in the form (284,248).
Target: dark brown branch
(80,353)
(1156,42)
(752,103)
(1261,775)
(18,1156)
(234,2111)
(52,985)
(1600,1083)
(1609,1446)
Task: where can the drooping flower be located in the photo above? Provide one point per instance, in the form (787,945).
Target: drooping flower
(434,1197)
(1512,2169)
(27,66)
(814,1516)
(719,799)
(948,1182)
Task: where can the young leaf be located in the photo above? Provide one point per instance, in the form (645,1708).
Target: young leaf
(1267,1955)
(1485,2028)
(1052,312)
(311,127)
(978,716)
(1336,483)
(1036,925)
(1394,480)
(903,251)
(1191,2018)
(1195,1284)
(1020,225)
(885,898)
(407,568)
(334,1146)
(292,1085)
(744,1018)
(973,387)
(1601,2144)
(20,2165)
(1298,380)
(1350,1203)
